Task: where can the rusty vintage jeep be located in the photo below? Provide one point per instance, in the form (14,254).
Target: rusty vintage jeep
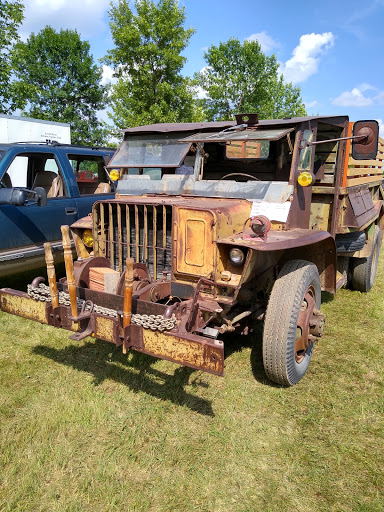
(216,226)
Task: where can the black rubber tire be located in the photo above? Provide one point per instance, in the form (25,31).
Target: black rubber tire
(343,266)
(281,318)
(364,269)
(350,242)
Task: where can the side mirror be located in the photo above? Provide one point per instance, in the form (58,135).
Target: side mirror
(13,196)
(23,196)
(366,148)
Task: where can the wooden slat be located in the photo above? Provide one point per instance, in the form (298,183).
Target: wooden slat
(111,238)
(364,171)
(365,179)
(328,178)
(365,163)
(120,240)
(329,168)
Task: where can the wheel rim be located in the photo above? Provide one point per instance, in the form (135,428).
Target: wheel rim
(309,319)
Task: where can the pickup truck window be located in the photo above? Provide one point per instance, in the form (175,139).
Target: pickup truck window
(37,170)
(90,174)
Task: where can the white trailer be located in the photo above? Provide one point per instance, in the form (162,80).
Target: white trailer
(26,129)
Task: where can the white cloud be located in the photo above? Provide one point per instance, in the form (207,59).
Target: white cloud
(107,77)
(310,104)
(86,16)
(354,98)
(266,42)
(379,98)
(306,56)
(200,93)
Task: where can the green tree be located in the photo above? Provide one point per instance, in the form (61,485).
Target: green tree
(57,80)
(11,15)
(147,62)
(240,78)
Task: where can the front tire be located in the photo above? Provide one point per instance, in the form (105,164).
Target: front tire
(292,322)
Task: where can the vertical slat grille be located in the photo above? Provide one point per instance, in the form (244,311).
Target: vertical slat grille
(139,231)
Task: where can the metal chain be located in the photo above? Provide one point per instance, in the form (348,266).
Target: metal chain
(153,322)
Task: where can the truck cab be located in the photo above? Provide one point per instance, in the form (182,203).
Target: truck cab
(71,177)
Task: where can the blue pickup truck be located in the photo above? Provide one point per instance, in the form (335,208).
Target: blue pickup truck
(42,186)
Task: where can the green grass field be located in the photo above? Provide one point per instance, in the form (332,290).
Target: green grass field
(85,428)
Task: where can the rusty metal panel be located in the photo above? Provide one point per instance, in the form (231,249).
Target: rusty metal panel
(362,205)
(20,304)
(194,351)
(195,250)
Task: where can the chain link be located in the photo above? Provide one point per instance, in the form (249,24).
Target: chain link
(153,322)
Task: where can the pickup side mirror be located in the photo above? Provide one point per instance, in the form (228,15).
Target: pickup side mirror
(23,196)
(13,196)
(365,148)
(40,196)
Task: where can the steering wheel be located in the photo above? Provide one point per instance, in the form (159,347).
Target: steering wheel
(239,174)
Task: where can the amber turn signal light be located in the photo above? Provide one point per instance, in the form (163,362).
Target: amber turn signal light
(114,174)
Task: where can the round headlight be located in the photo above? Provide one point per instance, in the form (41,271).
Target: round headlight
(114,174)
(236,256)
(87,238)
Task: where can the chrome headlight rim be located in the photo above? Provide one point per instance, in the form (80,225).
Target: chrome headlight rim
(236,256)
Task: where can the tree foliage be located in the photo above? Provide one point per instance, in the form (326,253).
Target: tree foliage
(11,15)
(240,78)
(147,62)
(57,80)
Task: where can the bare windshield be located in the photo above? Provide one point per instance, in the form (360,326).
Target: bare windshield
(152,150)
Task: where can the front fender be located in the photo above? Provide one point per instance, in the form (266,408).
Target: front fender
(317,247)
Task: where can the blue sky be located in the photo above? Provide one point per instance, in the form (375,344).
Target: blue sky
(332,49)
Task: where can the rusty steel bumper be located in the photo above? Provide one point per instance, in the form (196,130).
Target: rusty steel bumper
(176,345)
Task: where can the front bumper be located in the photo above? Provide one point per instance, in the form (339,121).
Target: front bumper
(175,345)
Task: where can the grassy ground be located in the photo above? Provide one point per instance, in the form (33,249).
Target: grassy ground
(84,428)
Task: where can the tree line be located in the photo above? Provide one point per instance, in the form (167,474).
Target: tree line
(53,75)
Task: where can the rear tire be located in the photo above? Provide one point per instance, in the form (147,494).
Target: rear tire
(297,291)
(364,269)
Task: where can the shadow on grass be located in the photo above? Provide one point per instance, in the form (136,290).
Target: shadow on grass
(327,297)
(254,341)
(105,361)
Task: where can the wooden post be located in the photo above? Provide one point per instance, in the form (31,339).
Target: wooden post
(69,269)
(51,275)
(128,286)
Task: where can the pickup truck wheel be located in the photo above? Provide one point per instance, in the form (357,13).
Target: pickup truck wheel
(292,322)
(364,269)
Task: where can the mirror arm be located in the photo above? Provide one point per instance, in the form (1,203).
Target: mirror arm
(354,137)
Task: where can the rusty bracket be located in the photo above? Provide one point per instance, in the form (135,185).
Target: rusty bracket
(84,316)
(195,305)
(132,337)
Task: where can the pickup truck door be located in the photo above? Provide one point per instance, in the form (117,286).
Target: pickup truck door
(32,225)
